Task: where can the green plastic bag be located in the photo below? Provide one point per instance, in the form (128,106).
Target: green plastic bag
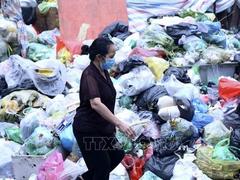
(125,102)
(37,52)
(44,7)
(222,152)
(214,168)
(124,141)
(14,134)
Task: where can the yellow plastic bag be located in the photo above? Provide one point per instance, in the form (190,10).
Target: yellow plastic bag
(157,66)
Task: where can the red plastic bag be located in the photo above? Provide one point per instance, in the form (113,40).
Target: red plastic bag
(52,167)
(228,88)
(134,166)
(148,53)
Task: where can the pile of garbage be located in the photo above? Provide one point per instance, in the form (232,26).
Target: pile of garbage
(185,128)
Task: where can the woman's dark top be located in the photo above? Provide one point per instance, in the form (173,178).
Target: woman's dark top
(94,85)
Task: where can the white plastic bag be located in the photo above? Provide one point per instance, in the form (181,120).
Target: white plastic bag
(165,101)
(119,173)
(72,170)
(187,170)
(81,61)
(169,113)
(136,81)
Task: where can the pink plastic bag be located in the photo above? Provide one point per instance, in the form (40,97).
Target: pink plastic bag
(52,168)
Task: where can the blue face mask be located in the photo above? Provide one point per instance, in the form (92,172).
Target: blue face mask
(108,64)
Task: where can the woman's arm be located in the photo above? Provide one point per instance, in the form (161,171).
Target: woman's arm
(100,108)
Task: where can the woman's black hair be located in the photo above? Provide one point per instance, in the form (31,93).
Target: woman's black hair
(99,46)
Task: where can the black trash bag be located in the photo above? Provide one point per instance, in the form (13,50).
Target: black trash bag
(186,108)
(232,120)
(162,167)
(151,116)
(133,61)
(177,31)
(116,29)
(180,74)
(235,142)
(167,145)
(148,99)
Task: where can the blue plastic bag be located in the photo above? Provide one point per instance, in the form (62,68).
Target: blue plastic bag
(200,120)
(67,138)
(199,106)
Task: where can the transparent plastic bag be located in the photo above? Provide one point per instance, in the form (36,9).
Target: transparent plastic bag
(31,121)
(49,37)
(215,132)
(136,81)
(40,142)
(148,175)
(5,125)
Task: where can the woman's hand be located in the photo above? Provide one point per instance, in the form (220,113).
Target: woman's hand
(126,129)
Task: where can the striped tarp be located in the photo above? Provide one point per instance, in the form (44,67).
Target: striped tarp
(140,10)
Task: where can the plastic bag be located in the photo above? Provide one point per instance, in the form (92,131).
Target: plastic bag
(67,138)
(148,99)
(116,29)
(52,167)
(179,73)
(81,62)
(155,36)
(132,62)
(228,88)
(45,6)
(157,66)
(5,125)
(217,38)
(147,52)
(8,149)
(215,55)
(191,170)
(235,142)
(38,52)
(52,82)
(49,37)
(200,106)
(14,134)
(119,173)
(162,167)
(40,142)
(31,33)
(31,121)
(178,30)
(165,101)
(185,108)
(215,132)
(152,131)
(124,141)
(216,169)
(137,170)
(148,175)
(169,113)
(136,81)
(3,50)
(200,120)
(8,30)
(125,102)
(192,43)
(222,152)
